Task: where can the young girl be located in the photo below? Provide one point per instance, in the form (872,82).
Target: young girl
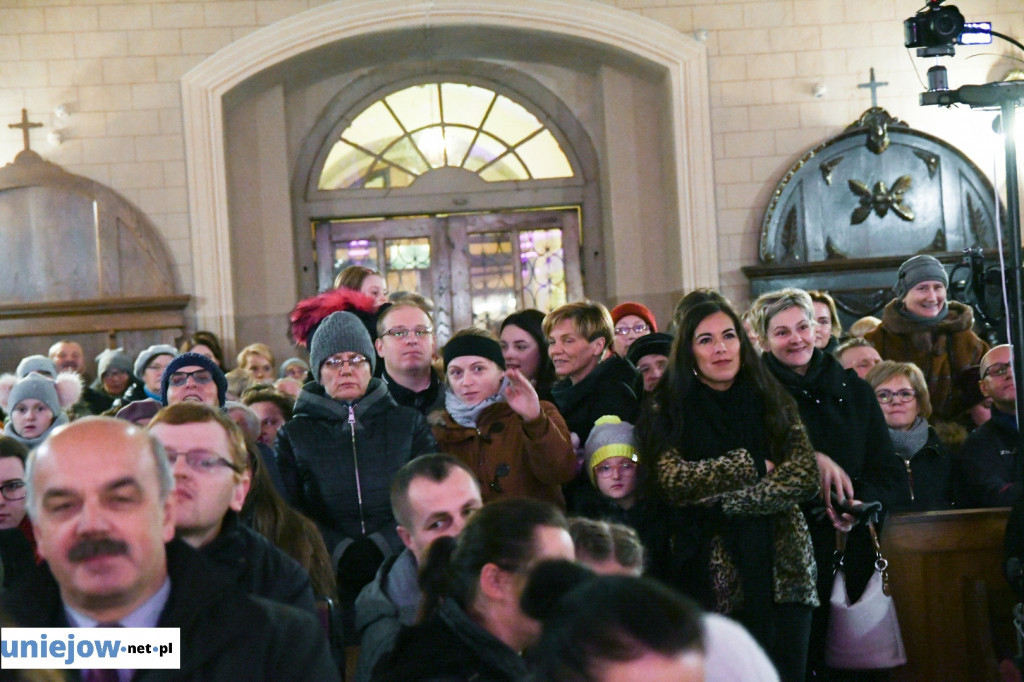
(36,404)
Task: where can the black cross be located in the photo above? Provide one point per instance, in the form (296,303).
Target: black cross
(874,85)
(25,126)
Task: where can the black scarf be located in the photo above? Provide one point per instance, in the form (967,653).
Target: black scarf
(719,421)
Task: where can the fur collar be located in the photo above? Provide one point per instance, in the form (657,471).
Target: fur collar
(960,318)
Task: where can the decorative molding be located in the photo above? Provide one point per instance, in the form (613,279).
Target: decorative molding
(880,199)
(204,87)
(931,161)
(876,121)
(827,167)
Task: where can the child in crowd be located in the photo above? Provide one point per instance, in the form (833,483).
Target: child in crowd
(614,467)
(36,404)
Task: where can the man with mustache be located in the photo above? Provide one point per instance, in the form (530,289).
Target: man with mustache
(209,461)
(103,516)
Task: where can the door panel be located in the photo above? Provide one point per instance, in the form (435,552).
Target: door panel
(477,268)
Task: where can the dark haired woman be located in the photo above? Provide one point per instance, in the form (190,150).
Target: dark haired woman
(525,348)
(471,626)
(611,627)
(727,443)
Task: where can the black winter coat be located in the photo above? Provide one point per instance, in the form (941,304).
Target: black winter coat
(926,478)
(844,421)
(225,635)
(608,389)
(449,646)
(989,466)
(250,561)
(340,479)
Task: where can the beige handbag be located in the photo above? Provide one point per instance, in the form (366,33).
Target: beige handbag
(864,635)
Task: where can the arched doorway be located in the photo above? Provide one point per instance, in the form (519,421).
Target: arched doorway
(430,141)
(646,81)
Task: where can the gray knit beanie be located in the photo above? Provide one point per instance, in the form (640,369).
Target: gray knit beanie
(916,270)
(610,437)
(37,387)
(36,363)
(292,361)
(146,356)
(113,359)
(340,332)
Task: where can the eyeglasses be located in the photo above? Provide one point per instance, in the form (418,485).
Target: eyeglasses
(202,460)
(200,376)
(1000,369)
(14,490)
(904,394)
(402,332)
(354,362)
(606,470)
(636,329)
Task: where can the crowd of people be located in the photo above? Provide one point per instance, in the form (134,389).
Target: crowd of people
(678,492)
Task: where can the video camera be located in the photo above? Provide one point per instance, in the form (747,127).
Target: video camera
(937,29)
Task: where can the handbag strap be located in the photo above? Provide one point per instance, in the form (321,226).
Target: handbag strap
(837,556)
(881,563)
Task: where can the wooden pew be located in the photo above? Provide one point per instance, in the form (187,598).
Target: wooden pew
(951,596)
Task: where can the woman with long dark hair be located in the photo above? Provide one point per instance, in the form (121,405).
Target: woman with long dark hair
(726,443)
(526,348)
(471,626)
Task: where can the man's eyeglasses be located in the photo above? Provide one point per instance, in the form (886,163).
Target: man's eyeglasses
(903,395)
(606,470)
(354,361)
(636,329)
(14,490)
(202,460)
(200,376)
(1000,369)
(402,332)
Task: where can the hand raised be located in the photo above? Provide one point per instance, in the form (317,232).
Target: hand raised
(521,395)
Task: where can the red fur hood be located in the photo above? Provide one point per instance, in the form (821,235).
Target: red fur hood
(309,312)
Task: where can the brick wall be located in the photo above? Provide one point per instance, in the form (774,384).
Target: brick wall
(117,66)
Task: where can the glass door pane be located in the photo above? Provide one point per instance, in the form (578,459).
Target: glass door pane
(542,269)
(492,278)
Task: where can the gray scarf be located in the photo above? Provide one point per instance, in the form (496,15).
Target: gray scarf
(926,321)
(467,415)
(908,443)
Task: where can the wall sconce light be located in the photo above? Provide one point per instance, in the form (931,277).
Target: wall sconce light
(55,138)
(701,35)
(819,90)
(61,112)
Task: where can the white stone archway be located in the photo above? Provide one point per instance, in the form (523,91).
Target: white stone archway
(204,87)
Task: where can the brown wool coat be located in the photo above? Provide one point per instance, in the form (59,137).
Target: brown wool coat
(941,351)
(538,453)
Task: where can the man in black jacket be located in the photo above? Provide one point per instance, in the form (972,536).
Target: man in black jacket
(209,460)
(990,466)
(100,499)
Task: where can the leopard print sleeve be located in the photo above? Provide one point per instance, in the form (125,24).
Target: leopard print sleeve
(688,483)
(793,481)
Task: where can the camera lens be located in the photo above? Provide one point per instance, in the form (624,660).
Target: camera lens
(946,23)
